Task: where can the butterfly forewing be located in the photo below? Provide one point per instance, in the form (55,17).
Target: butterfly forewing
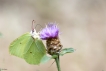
(17,46)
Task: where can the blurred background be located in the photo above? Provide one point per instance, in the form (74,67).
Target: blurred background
(82,25)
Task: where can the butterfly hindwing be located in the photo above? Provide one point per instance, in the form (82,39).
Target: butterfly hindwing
(35,52)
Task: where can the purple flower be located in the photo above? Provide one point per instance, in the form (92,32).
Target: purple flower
(50,31)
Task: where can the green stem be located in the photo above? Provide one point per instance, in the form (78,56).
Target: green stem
(58,63)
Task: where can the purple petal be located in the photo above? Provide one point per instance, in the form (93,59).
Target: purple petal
(50,31)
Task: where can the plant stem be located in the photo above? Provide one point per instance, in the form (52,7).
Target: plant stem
(58,63)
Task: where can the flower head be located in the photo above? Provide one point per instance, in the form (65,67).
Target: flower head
(50,31)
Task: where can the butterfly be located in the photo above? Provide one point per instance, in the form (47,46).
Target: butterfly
(29,47)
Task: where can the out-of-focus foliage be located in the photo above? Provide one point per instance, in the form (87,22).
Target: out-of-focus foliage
(0,34)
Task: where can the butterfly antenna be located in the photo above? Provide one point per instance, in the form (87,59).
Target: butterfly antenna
(51,64)
(39,25)
(33,25)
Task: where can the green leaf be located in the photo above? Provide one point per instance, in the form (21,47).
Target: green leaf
(45,59)
(66,50)
(28,48)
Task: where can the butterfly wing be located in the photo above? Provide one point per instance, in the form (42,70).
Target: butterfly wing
(35,52)
(29,48)
(18,45)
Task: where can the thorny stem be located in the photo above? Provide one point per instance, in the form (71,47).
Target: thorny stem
(58,63)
